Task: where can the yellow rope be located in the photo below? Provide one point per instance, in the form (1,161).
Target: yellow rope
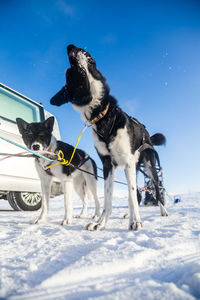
(61,158)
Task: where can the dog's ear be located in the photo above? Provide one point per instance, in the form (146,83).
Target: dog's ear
(48,123)
(60,98)
(22,125)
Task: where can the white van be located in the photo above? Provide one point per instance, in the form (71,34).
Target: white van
(19,182)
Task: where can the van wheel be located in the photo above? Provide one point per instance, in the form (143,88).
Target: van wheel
(24,200)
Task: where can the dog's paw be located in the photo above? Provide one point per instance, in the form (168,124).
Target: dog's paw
(126,216)
(37,221)
(163,211)
(91,226)
(165,214)
(65,222)
(79,216)
(94,226)
(95,216)
(136,226)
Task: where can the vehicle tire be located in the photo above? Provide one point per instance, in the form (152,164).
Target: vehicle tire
(24,200)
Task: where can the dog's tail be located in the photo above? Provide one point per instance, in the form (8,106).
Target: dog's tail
(158,139)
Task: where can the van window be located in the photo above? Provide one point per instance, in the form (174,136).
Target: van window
(13,106)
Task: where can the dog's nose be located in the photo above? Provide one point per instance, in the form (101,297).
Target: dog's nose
(36,147)
(71,49)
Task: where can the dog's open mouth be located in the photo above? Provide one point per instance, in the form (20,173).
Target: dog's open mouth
(78,57)
(72,52)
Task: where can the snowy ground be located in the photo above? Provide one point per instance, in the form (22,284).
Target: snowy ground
(48,261)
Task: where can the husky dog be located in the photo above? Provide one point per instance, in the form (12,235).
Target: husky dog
(120,140)
(38,136)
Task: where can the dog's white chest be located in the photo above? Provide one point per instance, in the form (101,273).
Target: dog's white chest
(119,149)
(100,146)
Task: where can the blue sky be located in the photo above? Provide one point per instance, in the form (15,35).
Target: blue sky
(149,51)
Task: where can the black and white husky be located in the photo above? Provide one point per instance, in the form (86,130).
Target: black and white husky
(38,136)
(119,139)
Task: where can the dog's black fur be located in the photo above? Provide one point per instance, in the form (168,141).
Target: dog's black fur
(118,138)
(38,136)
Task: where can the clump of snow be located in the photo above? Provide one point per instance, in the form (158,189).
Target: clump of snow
(49,261)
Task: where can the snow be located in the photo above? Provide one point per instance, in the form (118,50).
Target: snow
(49,261)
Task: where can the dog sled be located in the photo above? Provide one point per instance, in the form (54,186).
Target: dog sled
(147,193)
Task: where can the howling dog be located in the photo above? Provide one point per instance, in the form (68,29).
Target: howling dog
(119,139)
(38,136)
